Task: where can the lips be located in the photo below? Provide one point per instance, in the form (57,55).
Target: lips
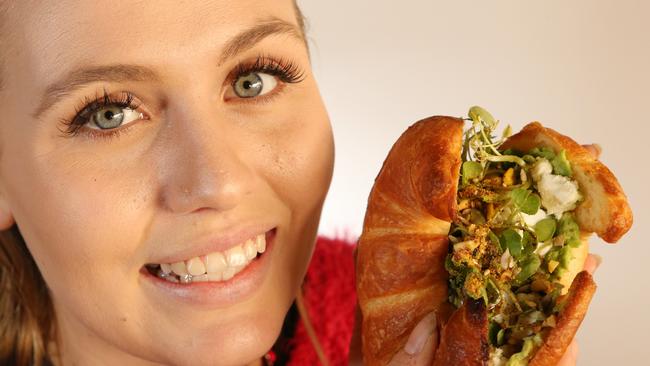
(229,276)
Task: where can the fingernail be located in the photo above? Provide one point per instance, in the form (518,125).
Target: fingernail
(598,259)
(420,334)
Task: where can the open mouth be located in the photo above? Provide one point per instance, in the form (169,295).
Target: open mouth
(213,267)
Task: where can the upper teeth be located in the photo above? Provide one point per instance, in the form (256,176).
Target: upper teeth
(217,266)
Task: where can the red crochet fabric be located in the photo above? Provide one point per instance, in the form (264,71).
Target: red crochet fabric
(330,298)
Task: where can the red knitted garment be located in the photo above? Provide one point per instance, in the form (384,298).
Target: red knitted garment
(330,298)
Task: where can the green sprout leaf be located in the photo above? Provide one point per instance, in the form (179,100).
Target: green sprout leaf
(545,229)
(529,266)
(527,243)
(526,201)
(493,333)
(478,114)
(494,239)
(507,132)
(511,240)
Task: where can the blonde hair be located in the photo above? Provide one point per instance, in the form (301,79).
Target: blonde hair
(26,312)
(311,333)
(27,320)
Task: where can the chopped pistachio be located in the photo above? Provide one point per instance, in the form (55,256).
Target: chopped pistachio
(468,244)
(474,285)
(559,240)
(471,170)
(542,152)
(541,285)
(550,321)
(476,217)
(490,211)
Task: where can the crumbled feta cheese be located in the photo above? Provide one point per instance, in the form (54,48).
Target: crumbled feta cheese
(543,248)
(505,259)
(559,194)
(541,168)
(531,220)
(499,318)
(497,358)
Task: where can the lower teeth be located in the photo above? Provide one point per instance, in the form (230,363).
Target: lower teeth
(188,278)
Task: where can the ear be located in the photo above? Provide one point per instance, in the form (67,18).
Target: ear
(6,216)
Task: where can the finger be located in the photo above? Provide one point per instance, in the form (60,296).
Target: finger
(570,357)
(421,345)
(594,150)
(592,262)
(424,358)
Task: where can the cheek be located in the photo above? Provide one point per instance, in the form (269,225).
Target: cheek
(83,220)
(78,216)
(299,166)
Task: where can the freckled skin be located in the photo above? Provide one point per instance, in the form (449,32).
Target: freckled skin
(93,212)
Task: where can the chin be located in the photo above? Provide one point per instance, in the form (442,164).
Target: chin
(241,341)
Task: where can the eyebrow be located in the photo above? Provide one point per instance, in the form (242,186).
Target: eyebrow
(77,79)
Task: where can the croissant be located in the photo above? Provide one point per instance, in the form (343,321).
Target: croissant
(405,259)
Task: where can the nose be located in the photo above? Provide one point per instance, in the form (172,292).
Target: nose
(202,168)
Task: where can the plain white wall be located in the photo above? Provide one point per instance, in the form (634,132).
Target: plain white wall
(581,67)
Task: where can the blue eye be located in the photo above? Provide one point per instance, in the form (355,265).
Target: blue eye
(104,114)
(112,116)
(254,84)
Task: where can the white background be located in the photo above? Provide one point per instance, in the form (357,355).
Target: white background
(581,67)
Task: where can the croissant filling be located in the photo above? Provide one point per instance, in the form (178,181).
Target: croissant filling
(512,239)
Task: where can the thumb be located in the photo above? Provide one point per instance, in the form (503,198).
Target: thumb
(420,346)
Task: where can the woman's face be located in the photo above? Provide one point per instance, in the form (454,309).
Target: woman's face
(161,132)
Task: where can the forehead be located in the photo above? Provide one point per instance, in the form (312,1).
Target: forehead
(50,34)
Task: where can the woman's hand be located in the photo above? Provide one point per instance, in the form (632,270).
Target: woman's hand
(421,345)
(423,341)
(571,356)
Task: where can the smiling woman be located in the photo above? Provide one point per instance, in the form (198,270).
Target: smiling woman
(162,172)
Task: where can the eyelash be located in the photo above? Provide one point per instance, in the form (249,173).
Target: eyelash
(88,107)
(285,70)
